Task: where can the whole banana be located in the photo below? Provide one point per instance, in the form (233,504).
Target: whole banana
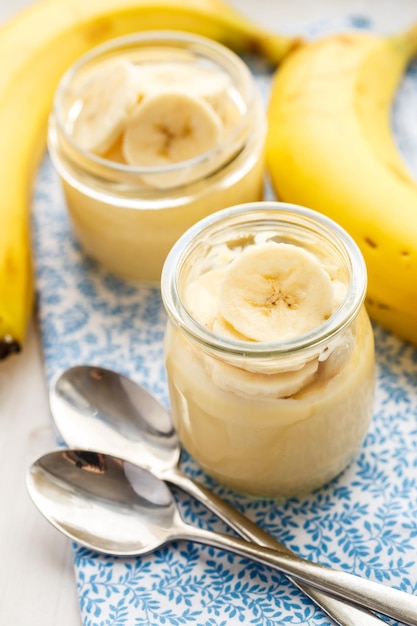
(36,47)
(331,147)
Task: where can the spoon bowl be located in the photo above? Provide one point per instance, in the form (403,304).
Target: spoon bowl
(113,506)
(97,500)
(97,409)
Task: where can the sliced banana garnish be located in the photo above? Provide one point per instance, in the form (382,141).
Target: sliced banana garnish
(202,301)
(213,85)
(186,78)
(105,103)
(270,292)
(229,112)
(169,128)
(224,329)
(202,297)
(155,114)
(252,384)
(275,291)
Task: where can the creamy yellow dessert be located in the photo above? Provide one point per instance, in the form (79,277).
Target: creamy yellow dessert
(284,421)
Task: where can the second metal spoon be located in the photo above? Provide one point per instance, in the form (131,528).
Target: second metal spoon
(116,507)
(97,409)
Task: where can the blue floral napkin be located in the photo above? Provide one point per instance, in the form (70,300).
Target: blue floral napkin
(364,522)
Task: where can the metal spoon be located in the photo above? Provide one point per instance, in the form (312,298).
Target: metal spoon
(97,409)
(116,507)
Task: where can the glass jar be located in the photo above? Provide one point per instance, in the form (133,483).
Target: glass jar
(128,217)
(268,418)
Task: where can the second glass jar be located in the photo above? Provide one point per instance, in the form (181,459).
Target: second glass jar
(128,217)
(275,418)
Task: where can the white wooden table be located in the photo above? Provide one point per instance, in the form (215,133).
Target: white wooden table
(37,586)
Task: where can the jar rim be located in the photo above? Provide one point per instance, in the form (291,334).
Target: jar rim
(197,43)
(247,213)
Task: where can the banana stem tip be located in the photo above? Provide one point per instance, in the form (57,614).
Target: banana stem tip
(8,346)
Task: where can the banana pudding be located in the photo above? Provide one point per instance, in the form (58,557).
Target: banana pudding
(269,350)
(150,134)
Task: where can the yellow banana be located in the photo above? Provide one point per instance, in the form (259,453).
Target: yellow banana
(331,147)
(36,47)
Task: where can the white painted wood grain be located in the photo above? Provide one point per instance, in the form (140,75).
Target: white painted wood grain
(37,585)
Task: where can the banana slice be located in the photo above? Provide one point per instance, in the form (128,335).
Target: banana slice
(333,359)
(105,103)
(115,156)
(185,78)
(224,329)
(202,297)
(169,128)
(213,85)
(115,152)
(251,384)
(275,291)
(229,112)
(202,301)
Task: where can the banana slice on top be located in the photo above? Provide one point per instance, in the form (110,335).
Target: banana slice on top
(202,301)
(105,103)
(188,78)
(169,128)
(211,84)
(275,291)
(202,297)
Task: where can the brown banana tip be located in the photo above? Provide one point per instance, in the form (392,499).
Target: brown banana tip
(9,346)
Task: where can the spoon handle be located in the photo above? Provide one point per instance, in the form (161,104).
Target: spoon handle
(391,602)
(342,613)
